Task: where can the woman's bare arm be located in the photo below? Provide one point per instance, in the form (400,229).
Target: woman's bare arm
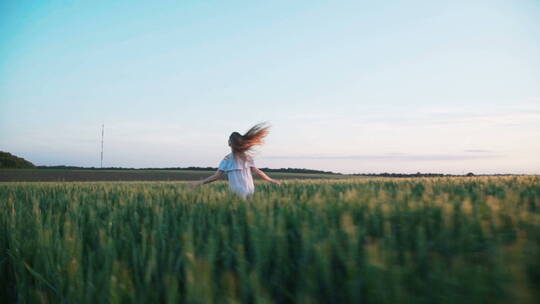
(264,176)
(207,180)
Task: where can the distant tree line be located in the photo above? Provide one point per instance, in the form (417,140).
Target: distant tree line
(282,170)
(297,170)
(8,160)
(417,174)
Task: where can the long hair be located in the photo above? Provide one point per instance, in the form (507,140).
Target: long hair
(242,144)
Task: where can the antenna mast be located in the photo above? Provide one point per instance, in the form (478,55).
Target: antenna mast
(102,133)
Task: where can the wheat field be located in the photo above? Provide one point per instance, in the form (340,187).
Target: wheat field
(369,240)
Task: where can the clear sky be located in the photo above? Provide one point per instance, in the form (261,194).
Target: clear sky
(348,86)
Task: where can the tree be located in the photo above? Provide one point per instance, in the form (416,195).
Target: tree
(8,160)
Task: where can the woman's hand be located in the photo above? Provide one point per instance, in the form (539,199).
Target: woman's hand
(207,180)
(193,185)
(276,182)
(264,176)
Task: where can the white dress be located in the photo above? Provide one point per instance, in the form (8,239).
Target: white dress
(239,174)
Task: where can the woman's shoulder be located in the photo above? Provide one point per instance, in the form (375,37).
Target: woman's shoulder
(238,161)
(226,164)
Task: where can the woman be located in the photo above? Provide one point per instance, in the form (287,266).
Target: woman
(239,163)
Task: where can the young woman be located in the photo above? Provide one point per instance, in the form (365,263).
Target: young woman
(239,163)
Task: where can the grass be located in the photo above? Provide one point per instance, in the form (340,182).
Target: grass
(421,240)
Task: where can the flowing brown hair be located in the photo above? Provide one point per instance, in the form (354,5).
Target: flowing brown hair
(242,144)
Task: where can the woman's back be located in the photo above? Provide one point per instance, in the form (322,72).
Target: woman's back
(238,171)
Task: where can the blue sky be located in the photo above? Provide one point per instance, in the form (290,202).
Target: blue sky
(348,86)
